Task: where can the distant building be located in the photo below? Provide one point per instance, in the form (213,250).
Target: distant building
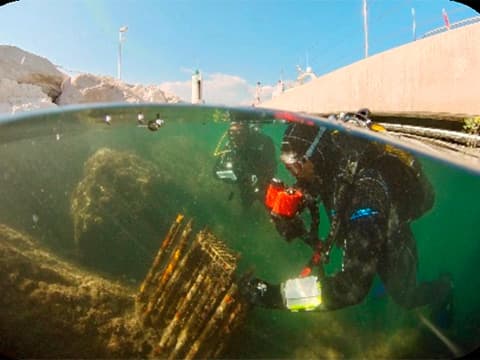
(197,88)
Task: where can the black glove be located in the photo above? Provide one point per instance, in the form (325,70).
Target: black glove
(260,293)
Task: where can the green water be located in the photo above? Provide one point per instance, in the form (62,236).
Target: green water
(43,161)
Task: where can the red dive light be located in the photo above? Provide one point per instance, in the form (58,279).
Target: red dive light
(287,203)
(282,201)
(274,188)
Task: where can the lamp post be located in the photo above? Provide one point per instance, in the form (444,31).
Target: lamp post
(121,39)
(365,25)
(414,25)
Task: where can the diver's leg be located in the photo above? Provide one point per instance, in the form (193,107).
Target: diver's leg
(398,271)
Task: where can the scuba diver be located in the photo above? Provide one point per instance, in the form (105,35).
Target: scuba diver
(371,193)
(247,159)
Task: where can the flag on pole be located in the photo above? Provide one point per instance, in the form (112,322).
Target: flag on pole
(445,18)
(414,25)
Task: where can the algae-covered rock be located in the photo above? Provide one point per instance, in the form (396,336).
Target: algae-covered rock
(50,308)
(339,339)
(118,212)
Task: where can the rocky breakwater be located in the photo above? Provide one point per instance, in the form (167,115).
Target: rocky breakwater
(31,82)
(27,81)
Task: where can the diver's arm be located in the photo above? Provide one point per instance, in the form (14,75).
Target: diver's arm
(345,288)
(269,157)
(312,239)
(364,232)
(351,284)
(263,162)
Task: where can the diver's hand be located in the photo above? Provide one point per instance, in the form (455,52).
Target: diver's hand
(261,293)
(253,289)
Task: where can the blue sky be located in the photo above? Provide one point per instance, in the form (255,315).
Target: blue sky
(234,43)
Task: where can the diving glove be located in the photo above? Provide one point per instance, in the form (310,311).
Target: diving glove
(299,294)
(261,293)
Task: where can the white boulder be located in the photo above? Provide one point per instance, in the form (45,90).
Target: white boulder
(88,88)
(27,68)
(15,97)
(29,82)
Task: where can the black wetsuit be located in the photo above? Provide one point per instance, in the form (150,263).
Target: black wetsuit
(379,200)
(254,164)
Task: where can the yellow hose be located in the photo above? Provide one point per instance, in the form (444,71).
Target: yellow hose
(217,151)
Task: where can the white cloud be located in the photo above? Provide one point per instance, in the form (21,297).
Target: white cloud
(221,89)
(180,88)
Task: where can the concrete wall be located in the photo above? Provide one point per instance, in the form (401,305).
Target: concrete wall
(440,73)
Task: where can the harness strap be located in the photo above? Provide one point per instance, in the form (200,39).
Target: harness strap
(314,144)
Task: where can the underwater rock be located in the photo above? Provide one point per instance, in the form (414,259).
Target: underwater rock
(52,309)
(336,338)
(114,207)
(187,307)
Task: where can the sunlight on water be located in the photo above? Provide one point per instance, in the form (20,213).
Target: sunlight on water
(87,195)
